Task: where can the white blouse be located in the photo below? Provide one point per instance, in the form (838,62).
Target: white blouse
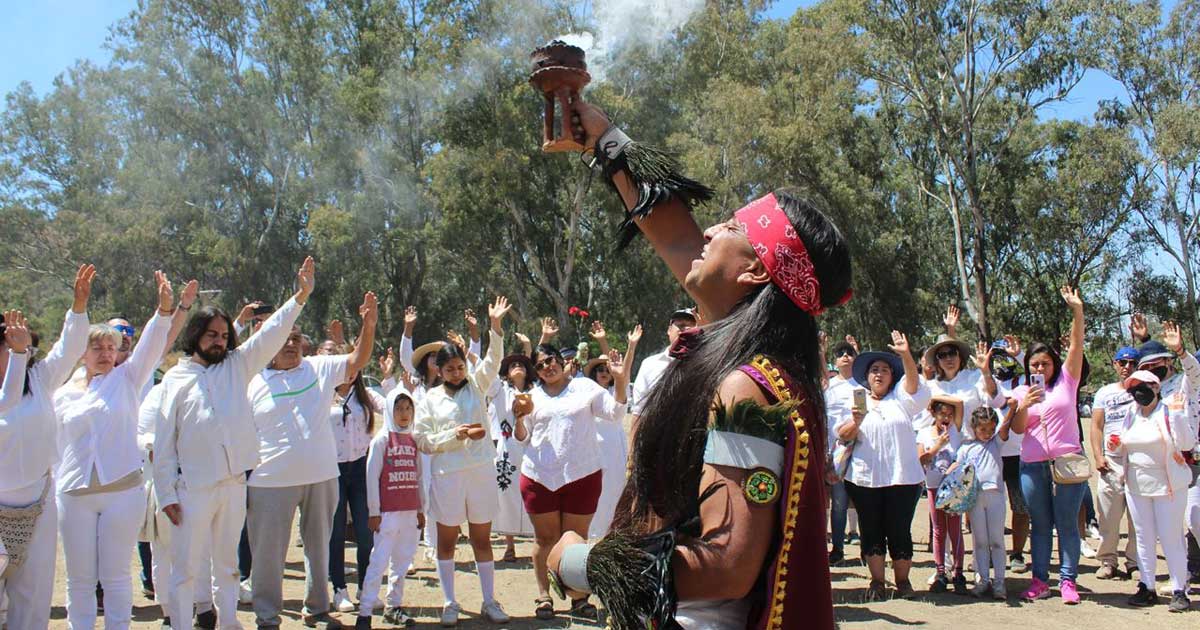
(563,443)
(349,421)
(98,422)
(885,453)
(969,387)
(1151,444)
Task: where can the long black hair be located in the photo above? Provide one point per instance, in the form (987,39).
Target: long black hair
(668,447)
(359,390)
(1041,348)
(198,324)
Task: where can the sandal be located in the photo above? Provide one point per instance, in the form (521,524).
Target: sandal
(510,555)
(583,608)
(543,608)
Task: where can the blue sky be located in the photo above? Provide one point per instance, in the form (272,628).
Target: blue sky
(39,39)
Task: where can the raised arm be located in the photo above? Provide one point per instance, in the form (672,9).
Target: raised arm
(600,336)
(148,352)
(1173,340)
(179,319)
(363,346)
(912,374)
(1074,363)
(60,361)
(264,344)
(489,368)
(983,358)
(406,339)
(18,340)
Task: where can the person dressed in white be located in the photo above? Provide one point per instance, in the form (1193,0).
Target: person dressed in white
(653,366)
(974,387)
(1156,478)
(1112,410)
(516,377)
(100,496)
(839,395)
(561,477)
(452,425)
(298,468)
(613,443)
(983,451)
(205,441)
(885,475)
(27,441)
(394,504)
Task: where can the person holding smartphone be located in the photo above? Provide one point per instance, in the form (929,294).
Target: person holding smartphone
(1047,415)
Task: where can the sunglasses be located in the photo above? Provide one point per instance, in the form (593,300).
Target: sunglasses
(1127,363)
(946,354)
(127,331)
(543,364)
(846,353)
(601,368)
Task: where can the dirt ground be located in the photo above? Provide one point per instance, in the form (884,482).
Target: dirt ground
(1103,601)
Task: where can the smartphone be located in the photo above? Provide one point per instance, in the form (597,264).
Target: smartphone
(860,400)
(1038,380)
(264,309)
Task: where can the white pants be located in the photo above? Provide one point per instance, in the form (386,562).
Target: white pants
(99,532)
(30,588)
(160,568)
(987,532)
(1160,519)
(1110,511)
(396,541)
(212,522)
(1193,510)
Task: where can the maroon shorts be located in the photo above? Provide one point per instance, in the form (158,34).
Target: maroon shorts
(578,497)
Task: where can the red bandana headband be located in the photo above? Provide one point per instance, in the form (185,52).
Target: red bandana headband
(783,253)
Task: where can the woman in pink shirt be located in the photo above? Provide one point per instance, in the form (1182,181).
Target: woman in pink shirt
(1048,416)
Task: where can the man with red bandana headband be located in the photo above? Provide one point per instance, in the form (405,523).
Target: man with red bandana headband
(722,523)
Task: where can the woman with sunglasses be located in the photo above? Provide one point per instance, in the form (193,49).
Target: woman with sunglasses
(562,477)
(516,379)
(27,440)
(100,495)
(974,387)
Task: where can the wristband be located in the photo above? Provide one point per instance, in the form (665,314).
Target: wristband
(612,143)
(572,568)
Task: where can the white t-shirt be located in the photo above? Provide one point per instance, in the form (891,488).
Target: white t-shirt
(563,443)
(936,470)
(886,451)
(967,386)
(291,412)
(651,370)
(1011,448)
(1118,411)
(985,456)
(839,405)
(1150,443)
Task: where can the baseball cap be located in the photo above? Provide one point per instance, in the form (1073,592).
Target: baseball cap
(1126,353)
(1153,351)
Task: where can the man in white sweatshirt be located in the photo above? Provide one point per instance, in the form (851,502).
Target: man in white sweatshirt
(205,441)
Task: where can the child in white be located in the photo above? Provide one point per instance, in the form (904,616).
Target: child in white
(936,446)
(988,515)
(394,503)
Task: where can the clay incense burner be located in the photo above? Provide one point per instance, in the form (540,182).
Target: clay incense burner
(559,72)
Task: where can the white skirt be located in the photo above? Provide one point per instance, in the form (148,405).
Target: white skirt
(613,453)
(511,520)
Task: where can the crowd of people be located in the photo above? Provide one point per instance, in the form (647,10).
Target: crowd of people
(751,443)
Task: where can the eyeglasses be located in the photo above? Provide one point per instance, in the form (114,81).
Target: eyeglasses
(946,354)
(543,364)
(127,331)
(1127,363)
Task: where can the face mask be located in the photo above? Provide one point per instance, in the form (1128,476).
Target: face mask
(1160,372)
(1143,394)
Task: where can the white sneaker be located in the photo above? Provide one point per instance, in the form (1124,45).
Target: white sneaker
(450,614)
(494,612)
(245,593)
(341,601)
(1086,549)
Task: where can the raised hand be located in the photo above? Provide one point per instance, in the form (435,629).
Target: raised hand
(950,319)
(587,121)
(387,362)
(457,339)
(549,328)
(635,335)
(1071,297)
(166,295)
(191,291)
(336,331)
(1172,337)
(899,343)
(1014,345)
(470,319)
(306,280)
(16,332)
(247,312)
(616,367)
(597,331)
(521,338)
(1138,327)
(369,310)
(83,287)
(853,343)
(410,315)
(983,356)
(497,310)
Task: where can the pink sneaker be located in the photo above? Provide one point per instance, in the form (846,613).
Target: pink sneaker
(1069,594)
(1040,590)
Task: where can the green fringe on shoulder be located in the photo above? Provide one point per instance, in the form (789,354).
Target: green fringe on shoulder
(750,418)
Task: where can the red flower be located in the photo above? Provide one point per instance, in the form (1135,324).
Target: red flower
(584,314)
(574,310)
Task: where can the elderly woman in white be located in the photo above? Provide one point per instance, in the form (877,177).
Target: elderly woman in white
(1157,476)
(100,496)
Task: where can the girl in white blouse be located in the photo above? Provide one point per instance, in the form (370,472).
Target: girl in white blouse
(101,500)
(561,477)
(1156,482)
